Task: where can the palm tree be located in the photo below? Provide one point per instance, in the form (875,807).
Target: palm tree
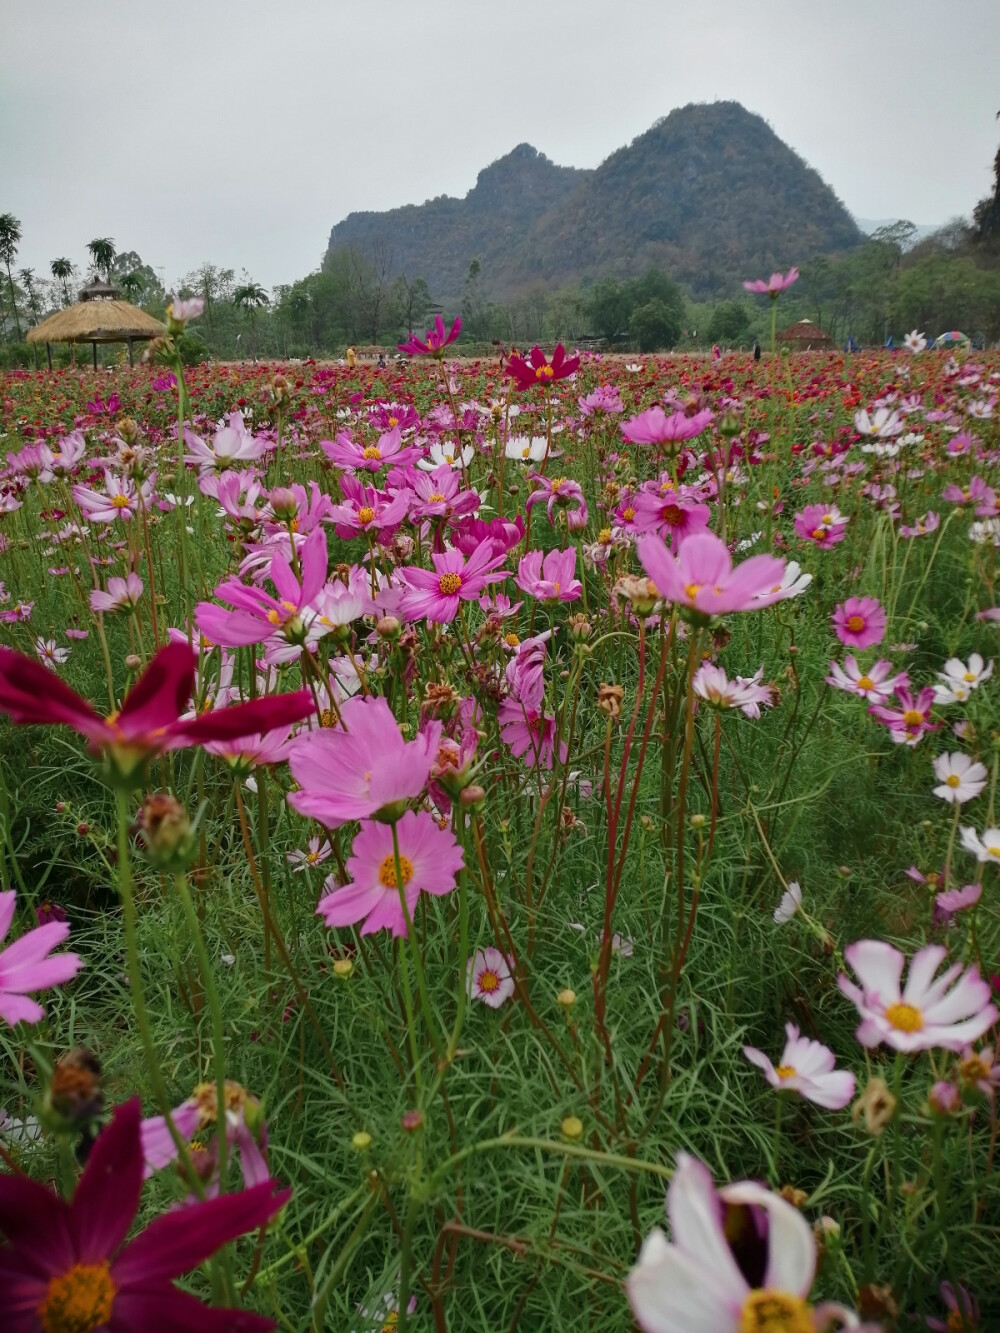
(10,238)
(103,252)
(62,270)
(27,279)
(132,284)
(250,298)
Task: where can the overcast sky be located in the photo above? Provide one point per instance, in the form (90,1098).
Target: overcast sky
(240,132)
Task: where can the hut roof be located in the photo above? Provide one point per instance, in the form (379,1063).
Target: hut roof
(100,321)
(805,330)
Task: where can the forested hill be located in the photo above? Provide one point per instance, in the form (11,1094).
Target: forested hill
(709,193)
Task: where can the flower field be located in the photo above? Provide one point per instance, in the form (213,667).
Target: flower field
(519,795)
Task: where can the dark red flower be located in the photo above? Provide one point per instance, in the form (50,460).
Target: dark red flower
(536,370)
(437,339)
(67,1269)
(149,722)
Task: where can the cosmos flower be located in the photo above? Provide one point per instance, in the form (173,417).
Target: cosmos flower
(435,594)
(915,342)
(654,426)
(711,683)
(122,594)
(549,577)
(67,1267)
(26,965)
(429,860)
(985,848)
(773,286)
(702,578)
(791,902)
(538,371)
(388,451)
(806,1067)
(50,654)
(823,525)
(960,777)
(488,978)
(859,622)
(907,723)
(874,683)
(318,850)
(435,340)
(943,1013)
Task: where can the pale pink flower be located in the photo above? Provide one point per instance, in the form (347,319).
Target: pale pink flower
(806,1067)
(122,594)
(488,978)
(773,286)
(874,683)
(961,778)
(701,575)
(26,964)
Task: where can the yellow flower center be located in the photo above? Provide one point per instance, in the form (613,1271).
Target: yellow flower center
(366,514)
(557,482)
(526,452)
(994,851)
(786,1071)
(828,519)
(544,373)
(819,534)
(692,590)
(970,676)
(436,498)
(372,453)
(393,421)
(855,624)
(973,1068)
(775,1312)
(276,617)
(905,1017)
(628,514)
(120,501)
(449,584)
(387,872)
(78,1301)
(511,639)
(953,780)
(866,683)
(312,857)
(489,981)
(913,717)
(604,537)
(391,1322)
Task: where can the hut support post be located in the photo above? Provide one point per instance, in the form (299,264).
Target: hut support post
(48,350)
(94,346)
(130,360)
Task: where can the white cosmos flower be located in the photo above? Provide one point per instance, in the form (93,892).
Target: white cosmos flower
(527,448)
(985,848)
(915,342)
(791,901)
(439,453)
(806,1067)
(961,778)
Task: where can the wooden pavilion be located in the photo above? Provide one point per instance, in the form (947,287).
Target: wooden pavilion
(98,317)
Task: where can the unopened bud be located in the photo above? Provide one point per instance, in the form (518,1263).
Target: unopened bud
(343,967)
(473,795)
(698,821)
(165,830)
(566,998)
(572,1127)
(362,1141)
(133,662)
(388,628)
(412,1121)
(283,503)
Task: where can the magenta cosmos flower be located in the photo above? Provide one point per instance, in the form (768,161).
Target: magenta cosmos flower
(26,966)
(436,339)
(859,622)
(550,577)
(429,860)
(945,1013)
(673,517)
(773,286)
(807,1067)
(537,370)
(387,452)
(557,493)
(435,594)
(149,721)
(654,426)
(362,770)
(702,578)
(698,1282)
(911,719)
(68,1269)
(822,524)
(488,978)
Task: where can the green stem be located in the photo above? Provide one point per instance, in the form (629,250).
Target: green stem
(425,1003)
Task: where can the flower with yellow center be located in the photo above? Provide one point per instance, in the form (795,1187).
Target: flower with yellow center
(393,421)
(785,1071)
(544,373)
(79,1300)
(120,501)
(865,683)
(953,780)
(511,639)
(604,537)
(905,1017)
(372,454)
(855,624)
(775,1312)
(628,514)
(449,584)
(366,514)
(692,590)
(436,498)
(387,872)
(488,981)
(913,717)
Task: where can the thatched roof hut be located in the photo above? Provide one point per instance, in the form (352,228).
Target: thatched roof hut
(805,336)
(98,317)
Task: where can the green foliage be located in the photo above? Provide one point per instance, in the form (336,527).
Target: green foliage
(654,327)
(730,325)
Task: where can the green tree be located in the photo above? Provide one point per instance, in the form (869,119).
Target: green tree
(27,280)
(655,326)
(10,239)
(102,254)
(62,270)
(729,324)
(609,308)
(413,301)
(251,298)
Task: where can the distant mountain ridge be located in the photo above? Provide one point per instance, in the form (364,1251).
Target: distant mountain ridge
(709,193)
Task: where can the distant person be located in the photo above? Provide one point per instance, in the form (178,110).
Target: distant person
(352,359)
(381,360)
(756,350)
(716,352)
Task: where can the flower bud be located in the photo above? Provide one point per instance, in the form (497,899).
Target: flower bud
(580,628)
(566,998)
(362,1141)
(133,662)
(572,1127)
(165,831)
(697,821)
(284,505)
(877,1105)
(610,699)
(388,628)
(343,967)
(412,1121)
(473,796)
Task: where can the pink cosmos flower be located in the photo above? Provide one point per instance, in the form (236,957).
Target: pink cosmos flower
(859,622)
(436,594)
(429,860)
(700,1281)
(806,1067)
(366,510)
(537,370)
(654,426)
(68,1266)
(822,524)
(319,850)
(255,614)
(122,594)
(701,576)
(181,311)
(672,517)
(436,340)
(504,533)
(530,733)
(874,683)
(711,683)
(33,462)
(773,286)
(945,1013)
(911,719)
(150,720)
(244,753)
(549,578)
(922,527)
(604,400)
(556,492)
(120,499)
(958,900)
(488,978)
(50,654)
(231,444)
(198,1113)
(26,966)
(387,452)
(963,1311)
(439,494)
(364,769)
